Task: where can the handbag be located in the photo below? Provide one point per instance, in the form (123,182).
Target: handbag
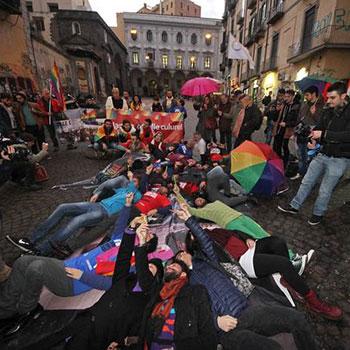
(40,173)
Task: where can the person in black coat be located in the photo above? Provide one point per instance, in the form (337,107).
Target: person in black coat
(179,314)
(118,314)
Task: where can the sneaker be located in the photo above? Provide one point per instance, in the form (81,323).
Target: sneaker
(315,220)
(301,267)
(22,243)
(282,190)
(321,307)
(288,209)
(295,177)
(300,262)
(310,254)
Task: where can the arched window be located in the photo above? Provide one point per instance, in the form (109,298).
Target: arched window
(149,35)
(193,39)
(76,28)
(164,36)
(179,38)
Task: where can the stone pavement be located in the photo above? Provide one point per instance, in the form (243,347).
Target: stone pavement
(328,273)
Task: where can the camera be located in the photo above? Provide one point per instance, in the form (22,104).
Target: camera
(21,153)
(302,130)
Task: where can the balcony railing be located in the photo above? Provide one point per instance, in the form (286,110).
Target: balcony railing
(259,30)
(270,64)
(276,12)
(12,7)
(240,17)
(251,4)
(327,37)
(250,38)
(231,4)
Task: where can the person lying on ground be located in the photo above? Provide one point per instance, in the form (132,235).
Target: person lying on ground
(224,216)
(240,323)
(178,315)
(82,214)
(269,255)
(21,291)
(118,314)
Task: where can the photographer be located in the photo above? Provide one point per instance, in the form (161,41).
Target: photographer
(9,123)
(309,116)
(333,133)
(15,165)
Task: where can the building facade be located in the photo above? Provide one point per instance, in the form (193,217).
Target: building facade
(183,8)
(288,40)
(16,69)
(165,51)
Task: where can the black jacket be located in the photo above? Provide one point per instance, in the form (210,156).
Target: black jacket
(5,122)
(335,125)
(252,120)
(194,325)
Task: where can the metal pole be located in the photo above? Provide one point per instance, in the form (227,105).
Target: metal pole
(50,103)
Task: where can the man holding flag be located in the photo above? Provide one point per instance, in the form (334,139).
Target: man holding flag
(50,106)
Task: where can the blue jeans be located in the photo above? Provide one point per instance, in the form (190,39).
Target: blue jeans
(332,170)
(83,214)
(302,157)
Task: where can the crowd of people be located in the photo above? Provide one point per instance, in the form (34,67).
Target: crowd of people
(209,292)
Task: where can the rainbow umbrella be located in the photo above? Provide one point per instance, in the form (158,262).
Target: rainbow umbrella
(257,168)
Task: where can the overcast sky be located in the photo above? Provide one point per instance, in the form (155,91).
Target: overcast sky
(108,8)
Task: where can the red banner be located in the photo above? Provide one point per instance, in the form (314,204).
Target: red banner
(169,124)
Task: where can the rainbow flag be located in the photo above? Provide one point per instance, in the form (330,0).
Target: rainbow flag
(56,86)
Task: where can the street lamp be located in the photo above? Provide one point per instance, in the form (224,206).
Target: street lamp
(133,33)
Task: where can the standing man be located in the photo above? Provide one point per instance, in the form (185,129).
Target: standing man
(28,112)
(48,108)
(226,113)
(9,124)
(309,116)
(168,101)
(248,120)
(285,124)
(333,132)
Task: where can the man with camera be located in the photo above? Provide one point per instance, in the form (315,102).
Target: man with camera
(333,133)
(309,116)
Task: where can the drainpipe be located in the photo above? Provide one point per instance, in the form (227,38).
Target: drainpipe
(29,41)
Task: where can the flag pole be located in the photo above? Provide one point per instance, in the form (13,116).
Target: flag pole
(50,102)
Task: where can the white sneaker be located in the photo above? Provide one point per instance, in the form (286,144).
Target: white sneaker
(295,177)
(310,254)
(303,265)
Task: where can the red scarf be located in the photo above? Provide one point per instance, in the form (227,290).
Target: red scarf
(168,294)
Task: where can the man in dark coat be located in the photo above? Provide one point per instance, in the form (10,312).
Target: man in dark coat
(240,323)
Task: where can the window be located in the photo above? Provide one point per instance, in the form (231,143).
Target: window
(195,11)
(181,14)
(274,51)
(149,56)
(105,36)
(193,62)
(310,17)
(165,60)
(182,5)
(29,5)
(167,7)
(164,37)
(171,5)
(179,38)
(53,7)
(258,59)
(188,7)
(133,33)
(149,35)
(251,26)
(76,28)
(135,58)
(207,62)
(232,25)
(194,39)
(39,24)
(179,62)
(263,13)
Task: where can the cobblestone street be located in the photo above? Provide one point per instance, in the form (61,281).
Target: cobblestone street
(328,273)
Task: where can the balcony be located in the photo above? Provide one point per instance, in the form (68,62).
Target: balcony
(249,40)
(329,37)
(276,13)
(259,31)
(270,64)
(251,4)
(240,17)
(13,7)
(231,4)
